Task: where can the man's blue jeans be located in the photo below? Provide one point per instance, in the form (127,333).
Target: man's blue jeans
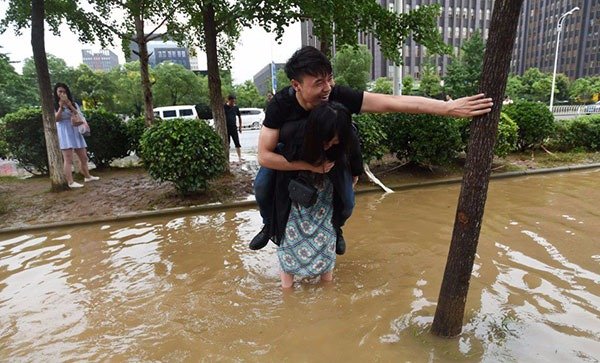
(264,187)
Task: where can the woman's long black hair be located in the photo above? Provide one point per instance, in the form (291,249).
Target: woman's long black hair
(56,99)
(324,123)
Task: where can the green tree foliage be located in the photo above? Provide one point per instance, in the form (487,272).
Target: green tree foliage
(24,136)
(175,85)
(582,133)
(11,86)
(350,18)
(248,96)
(186,153)
(408,84)
(514,87)
(462,77)
(535,121)
(95,88)
(430,80)
(582,90)
(127,98)
(382,85)
(352,66)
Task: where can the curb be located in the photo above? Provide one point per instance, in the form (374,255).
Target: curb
(252,202)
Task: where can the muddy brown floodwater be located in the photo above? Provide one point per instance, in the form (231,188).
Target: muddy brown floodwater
(188,289)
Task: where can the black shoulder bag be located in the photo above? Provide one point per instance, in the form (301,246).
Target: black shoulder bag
(302,191)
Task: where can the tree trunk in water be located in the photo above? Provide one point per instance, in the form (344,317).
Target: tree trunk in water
(467,225)
(214,78)
(144,71)
(58,180)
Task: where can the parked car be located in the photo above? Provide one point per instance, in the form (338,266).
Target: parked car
(252,118)
(181,111)
(594,108)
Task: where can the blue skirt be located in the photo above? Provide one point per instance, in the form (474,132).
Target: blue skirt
(308,245)
(68,136)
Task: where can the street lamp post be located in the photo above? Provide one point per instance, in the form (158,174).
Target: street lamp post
(558,31)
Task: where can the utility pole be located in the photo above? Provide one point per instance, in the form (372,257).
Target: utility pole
(397,74)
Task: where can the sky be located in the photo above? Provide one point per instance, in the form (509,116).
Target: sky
(256,48)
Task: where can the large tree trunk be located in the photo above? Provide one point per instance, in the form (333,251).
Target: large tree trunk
(55,161)
(214,78)
(469,214)
(144,71)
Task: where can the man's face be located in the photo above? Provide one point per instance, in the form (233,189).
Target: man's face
(311,91)
(231,101)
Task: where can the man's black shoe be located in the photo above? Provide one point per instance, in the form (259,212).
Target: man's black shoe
(261,239)
(340,243)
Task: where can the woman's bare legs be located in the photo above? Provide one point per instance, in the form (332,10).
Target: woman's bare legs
(83,161)
(68,164)
(287,280)
(327,276)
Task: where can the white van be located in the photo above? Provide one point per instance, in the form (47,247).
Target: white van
(182,111)
(252,118)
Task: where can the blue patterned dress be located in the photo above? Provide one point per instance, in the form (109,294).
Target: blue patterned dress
(68,135)
(308,245)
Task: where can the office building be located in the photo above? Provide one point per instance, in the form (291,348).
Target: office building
(262,79)
(160,50)
(535,46)
(579,47)
(103,60)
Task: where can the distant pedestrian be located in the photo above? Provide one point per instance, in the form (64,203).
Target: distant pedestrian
(231,111)
(69,137)
(507,100)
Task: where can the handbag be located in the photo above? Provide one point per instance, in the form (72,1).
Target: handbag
(77,119)
(302,192)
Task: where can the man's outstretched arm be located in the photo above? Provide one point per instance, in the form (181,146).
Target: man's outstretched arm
(463,107)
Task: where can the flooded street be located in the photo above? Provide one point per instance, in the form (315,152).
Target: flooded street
(189,289)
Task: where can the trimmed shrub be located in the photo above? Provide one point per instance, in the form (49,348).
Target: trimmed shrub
(4,152)
(24,136)
(135,129)
(582,133)
(109,139)
(372,136)
(423,139)
(187,153)
(506,141)
(535,121)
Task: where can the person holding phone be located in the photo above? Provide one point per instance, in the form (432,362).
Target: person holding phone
(69,138)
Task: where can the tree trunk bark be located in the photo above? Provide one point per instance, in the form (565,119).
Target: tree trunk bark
(469,214)
(214,78)
(144,71)
(58,180)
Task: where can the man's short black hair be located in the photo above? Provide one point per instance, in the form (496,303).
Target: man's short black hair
(231,97)
(307,60)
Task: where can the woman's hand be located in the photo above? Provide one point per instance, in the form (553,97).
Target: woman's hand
(323,168)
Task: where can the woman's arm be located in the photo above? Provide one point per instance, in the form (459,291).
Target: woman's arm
(267,157)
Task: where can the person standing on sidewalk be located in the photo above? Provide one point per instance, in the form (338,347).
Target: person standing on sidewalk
(69,137)
(231,111)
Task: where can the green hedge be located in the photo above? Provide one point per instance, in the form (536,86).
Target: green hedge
(109,139)
(506,141)
(135,129)
(580,134)
(187,153)
(371,132)
(535,121)
(423,139)
(23,133)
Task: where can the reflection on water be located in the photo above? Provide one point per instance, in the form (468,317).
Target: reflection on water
(189,289)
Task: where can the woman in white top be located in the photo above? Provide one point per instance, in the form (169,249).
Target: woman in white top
(69,137)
